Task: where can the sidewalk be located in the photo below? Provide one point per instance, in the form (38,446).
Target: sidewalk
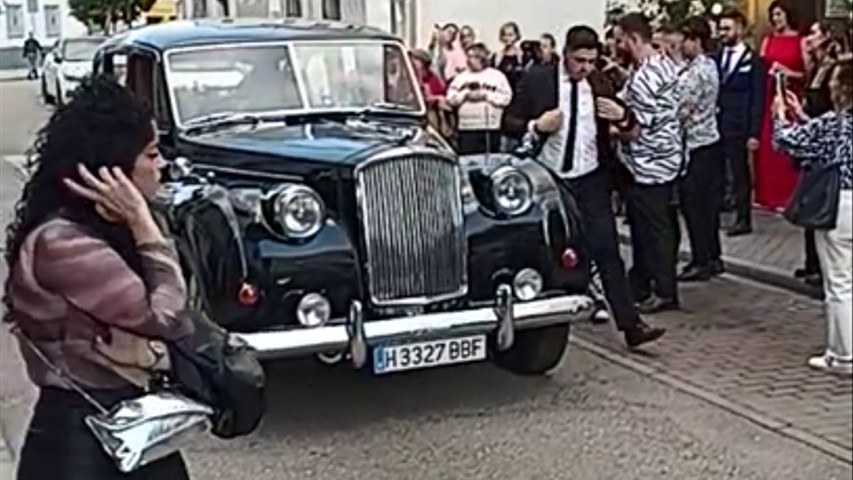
(14,74)
(750,350)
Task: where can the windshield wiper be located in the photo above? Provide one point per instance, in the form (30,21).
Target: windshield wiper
(397,107)
(224,118)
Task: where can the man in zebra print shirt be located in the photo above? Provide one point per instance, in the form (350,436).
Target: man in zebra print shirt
(654,154)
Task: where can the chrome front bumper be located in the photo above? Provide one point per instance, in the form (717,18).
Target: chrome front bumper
(356,335)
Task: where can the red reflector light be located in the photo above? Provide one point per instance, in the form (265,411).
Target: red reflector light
(248,294)
(570,259)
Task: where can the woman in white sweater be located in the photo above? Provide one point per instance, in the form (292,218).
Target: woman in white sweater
(481,93)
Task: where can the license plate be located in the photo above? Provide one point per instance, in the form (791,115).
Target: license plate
(396,358)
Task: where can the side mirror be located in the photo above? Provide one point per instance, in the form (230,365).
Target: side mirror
(57,57)
(181,167)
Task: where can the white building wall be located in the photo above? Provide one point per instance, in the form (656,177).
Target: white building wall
(534,17)
(35,22)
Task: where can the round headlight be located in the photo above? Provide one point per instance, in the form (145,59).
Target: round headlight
(314,310)
(299,211)
(527,284)
(512,190)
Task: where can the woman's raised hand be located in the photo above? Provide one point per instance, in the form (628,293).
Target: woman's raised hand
(116,197)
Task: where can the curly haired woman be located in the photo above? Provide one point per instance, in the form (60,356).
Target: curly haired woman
(92,281)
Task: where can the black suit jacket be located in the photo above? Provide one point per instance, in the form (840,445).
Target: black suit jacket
(539,91)
(741,94)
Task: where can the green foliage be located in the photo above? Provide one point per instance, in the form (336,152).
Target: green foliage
(670,13)
(103,14)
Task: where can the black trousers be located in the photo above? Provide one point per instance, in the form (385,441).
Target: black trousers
(812,264)
(737,161)
(653,217)
(701,199)
(592,192)
(59,446)
(479,141)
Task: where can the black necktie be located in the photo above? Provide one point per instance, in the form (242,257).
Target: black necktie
(569,155)
(727,63)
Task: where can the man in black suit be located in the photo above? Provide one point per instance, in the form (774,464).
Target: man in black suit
(571,108)
(741,101)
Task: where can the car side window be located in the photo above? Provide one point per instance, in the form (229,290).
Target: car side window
(113,64)
(162,109)
(140,77)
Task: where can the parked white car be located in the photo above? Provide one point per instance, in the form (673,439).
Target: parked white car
(69,60)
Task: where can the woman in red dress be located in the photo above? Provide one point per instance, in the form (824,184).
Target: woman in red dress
(781,51)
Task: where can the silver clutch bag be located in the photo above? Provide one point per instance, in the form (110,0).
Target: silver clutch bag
(142,430)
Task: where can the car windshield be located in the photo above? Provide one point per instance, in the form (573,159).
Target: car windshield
(81,49)
(259,79)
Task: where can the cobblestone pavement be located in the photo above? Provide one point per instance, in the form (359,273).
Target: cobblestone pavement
(749,346)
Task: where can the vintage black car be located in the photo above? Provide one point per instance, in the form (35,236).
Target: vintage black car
(316,213)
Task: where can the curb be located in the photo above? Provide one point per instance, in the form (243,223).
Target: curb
(753,271)
(7,461)
(660,375)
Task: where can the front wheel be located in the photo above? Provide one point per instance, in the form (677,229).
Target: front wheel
(44,95)
(60,98)
(536,351)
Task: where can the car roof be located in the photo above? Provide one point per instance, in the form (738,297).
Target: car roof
(202,32)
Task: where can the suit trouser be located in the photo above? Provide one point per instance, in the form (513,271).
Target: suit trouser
(835,248)
(701,195)
(653,216)
(592,193)
(737,158)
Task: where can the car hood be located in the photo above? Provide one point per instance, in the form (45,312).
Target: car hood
(76,69)
(329,142)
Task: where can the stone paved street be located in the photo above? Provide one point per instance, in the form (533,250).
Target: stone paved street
(757,360)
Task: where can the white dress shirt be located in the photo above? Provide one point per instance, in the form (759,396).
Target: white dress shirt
(585,158)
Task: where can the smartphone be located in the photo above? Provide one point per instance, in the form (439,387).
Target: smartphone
(781,82)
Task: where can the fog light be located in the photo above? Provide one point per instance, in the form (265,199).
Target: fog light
(570,259)
(527,284)
(314,310)
(248,294)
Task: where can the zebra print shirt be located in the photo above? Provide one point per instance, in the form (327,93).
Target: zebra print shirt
(653,93)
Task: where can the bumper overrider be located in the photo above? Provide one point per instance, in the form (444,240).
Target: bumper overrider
(356,336)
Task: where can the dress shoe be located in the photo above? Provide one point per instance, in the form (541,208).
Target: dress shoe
(695,273)
(717,267)
(739,230)
(813,280)
(655,304)
(642,333)
(803,272)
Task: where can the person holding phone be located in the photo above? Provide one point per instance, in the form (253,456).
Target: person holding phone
(481,93)
(827,142)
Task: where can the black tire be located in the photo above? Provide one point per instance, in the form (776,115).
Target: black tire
(60,98)
(535,352)
(44,95)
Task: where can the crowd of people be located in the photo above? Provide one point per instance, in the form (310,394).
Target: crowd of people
(690,121)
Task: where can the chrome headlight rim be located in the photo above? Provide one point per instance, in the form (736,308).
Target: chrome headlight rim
(283,196)
(501,175)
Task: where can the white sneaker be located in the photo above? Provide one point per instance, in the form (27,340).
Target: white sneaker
(831,364)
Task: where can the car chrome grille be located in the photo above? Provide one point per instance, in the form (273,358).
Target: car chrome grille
(415,242)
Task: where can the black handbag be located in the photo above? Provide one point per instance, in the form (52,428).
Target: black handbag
(814,202)
(220,370)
